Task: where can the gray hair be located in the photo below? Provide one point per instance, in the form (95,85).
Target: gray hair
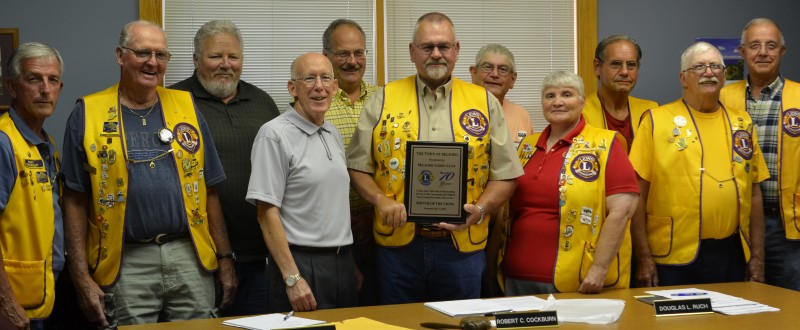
(600,51)
(327,35)
(32,50)
(562,79)
(497,49)
(762,20)
(698,48)
(212,28)
(125,34)
(432,17)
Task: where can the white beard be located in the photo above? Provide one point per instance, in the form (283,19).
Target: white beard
(220,89)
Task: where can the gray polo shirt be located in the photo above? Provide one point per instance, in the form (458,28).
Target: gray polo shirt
(300,168)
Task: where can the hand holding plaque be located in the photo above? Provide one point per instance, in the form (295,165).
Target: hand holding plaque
(435,185)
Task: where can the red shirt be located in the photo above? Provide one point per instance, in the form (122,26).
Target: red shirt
(533,245)
(622,126)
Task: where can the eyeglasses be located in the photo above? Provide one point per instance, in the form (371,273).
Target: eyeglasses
(444,48)
(768,47)
(701,68)
(502,70)
(359,54)
(144,55)
(311,81)
(617,65)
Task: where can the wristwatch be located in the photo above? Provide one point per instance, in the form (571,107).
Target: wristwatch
(229,255)
(483,214)
(291,280)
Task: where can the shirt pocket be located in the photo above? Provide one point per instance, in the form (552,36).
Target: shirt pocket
(27,279)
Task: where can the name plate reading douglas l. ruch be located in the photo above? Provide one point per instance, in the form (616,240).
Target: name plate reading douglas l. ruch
(436,182)
(526,320)
(682,307)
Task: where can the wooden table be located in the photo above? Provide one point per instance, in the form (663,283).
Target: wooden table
(637,315)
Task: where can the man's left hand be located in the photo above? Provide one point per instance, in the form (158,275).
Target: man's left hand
(755,270)
(593,282)
(474,215)
(226,283)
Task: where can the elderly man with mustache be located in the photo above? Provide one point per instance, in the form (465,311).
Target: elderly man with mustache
(700,218)
(234,110)
(439,260)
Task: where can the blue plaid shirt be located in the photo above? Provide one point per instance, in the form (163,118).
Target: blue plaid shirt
(766,114)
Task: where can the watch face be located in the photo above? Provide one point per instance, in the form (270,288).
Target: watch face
(165,136)
(291,280)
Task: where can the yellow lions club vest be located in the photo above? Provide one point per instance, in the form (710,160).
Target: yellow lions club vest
(399,123)
(675,197)
(593,111)
(788,149)
(27,229)
(105,148)
(582,210)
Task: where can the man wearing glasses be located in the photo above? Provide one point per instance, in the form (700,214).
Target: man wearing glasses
(438,261)
(299,185)
(699,218)
(344,43)
(234,110)
(774,102)
(495,69)
(142,215)
(617,59)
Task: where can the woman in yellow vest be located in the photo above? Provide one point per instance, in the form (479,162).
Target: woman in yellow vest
(568,216)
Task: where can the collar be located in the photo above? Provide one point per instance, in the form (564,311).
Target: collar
(542,142)
(424,90)
(304,124)
(198,91)
(343,95)
(24,129)
(774,87)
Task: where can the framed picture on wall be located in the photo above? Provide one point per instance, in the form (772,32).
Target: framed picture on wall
(9,40)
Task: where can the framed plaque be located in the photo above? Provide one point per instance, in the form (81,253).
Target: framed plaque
(436,182)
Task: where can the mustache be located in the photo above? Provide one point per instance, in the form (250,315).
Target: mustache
(223,71)
(350,67)
(431,61)
(708,79)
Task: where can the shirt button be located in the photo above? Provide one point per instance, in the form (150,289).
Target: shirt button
(433,129)
(430,107)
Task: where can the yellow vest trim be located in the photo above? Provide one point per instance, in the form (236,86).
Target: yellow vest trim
(673,220)
(470,119)
(733,96)
(28,260)
(593,111)
(106,222)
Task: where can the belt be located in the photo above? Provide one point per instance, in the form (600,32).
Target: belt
(431,232)
(162,239)
(316,249)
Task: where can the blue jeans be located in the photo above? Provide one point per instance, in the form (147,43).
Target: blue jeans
(428,269)
(719,260)
(781,256)
(251,295)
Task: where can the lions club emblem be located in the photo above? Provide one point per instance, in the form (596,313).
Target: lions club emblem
(586,167)
(474,122)
(188,137)
(743,144)
(791,122)
(425,178)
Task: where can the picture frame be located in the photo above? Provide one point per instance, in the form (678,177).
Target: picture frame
(9,41)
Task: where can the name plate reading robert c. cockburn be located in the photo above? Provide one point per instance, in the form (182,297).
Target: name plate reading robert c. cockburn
(435,185)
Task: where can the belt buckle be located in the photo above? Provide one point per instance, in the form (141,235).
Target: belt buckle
(157,239)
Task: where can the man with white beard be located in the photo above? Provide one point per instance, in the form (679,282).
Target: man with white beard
(234,110)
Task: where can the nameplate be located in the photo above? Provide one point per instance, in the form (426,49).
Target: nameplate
(526,320)
(682,307)
(313,327)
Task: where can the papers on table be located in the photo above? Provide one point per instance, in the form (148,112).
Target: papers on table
(592,311)
(270,321)
(720,302)
(458,308)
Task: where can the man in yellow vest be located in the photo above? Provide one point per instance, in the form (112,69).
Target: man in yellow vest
(700,218)
(442,261)
(143,218)
(773,102)
(31,226)
(617,59)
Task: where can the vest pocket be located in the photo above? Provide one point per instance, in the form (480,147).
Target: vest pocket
(659,235)
(27,279)
(612,274)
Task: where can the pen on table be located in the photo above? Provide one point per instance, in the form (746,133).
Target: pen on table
(288,315)
(688,294)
